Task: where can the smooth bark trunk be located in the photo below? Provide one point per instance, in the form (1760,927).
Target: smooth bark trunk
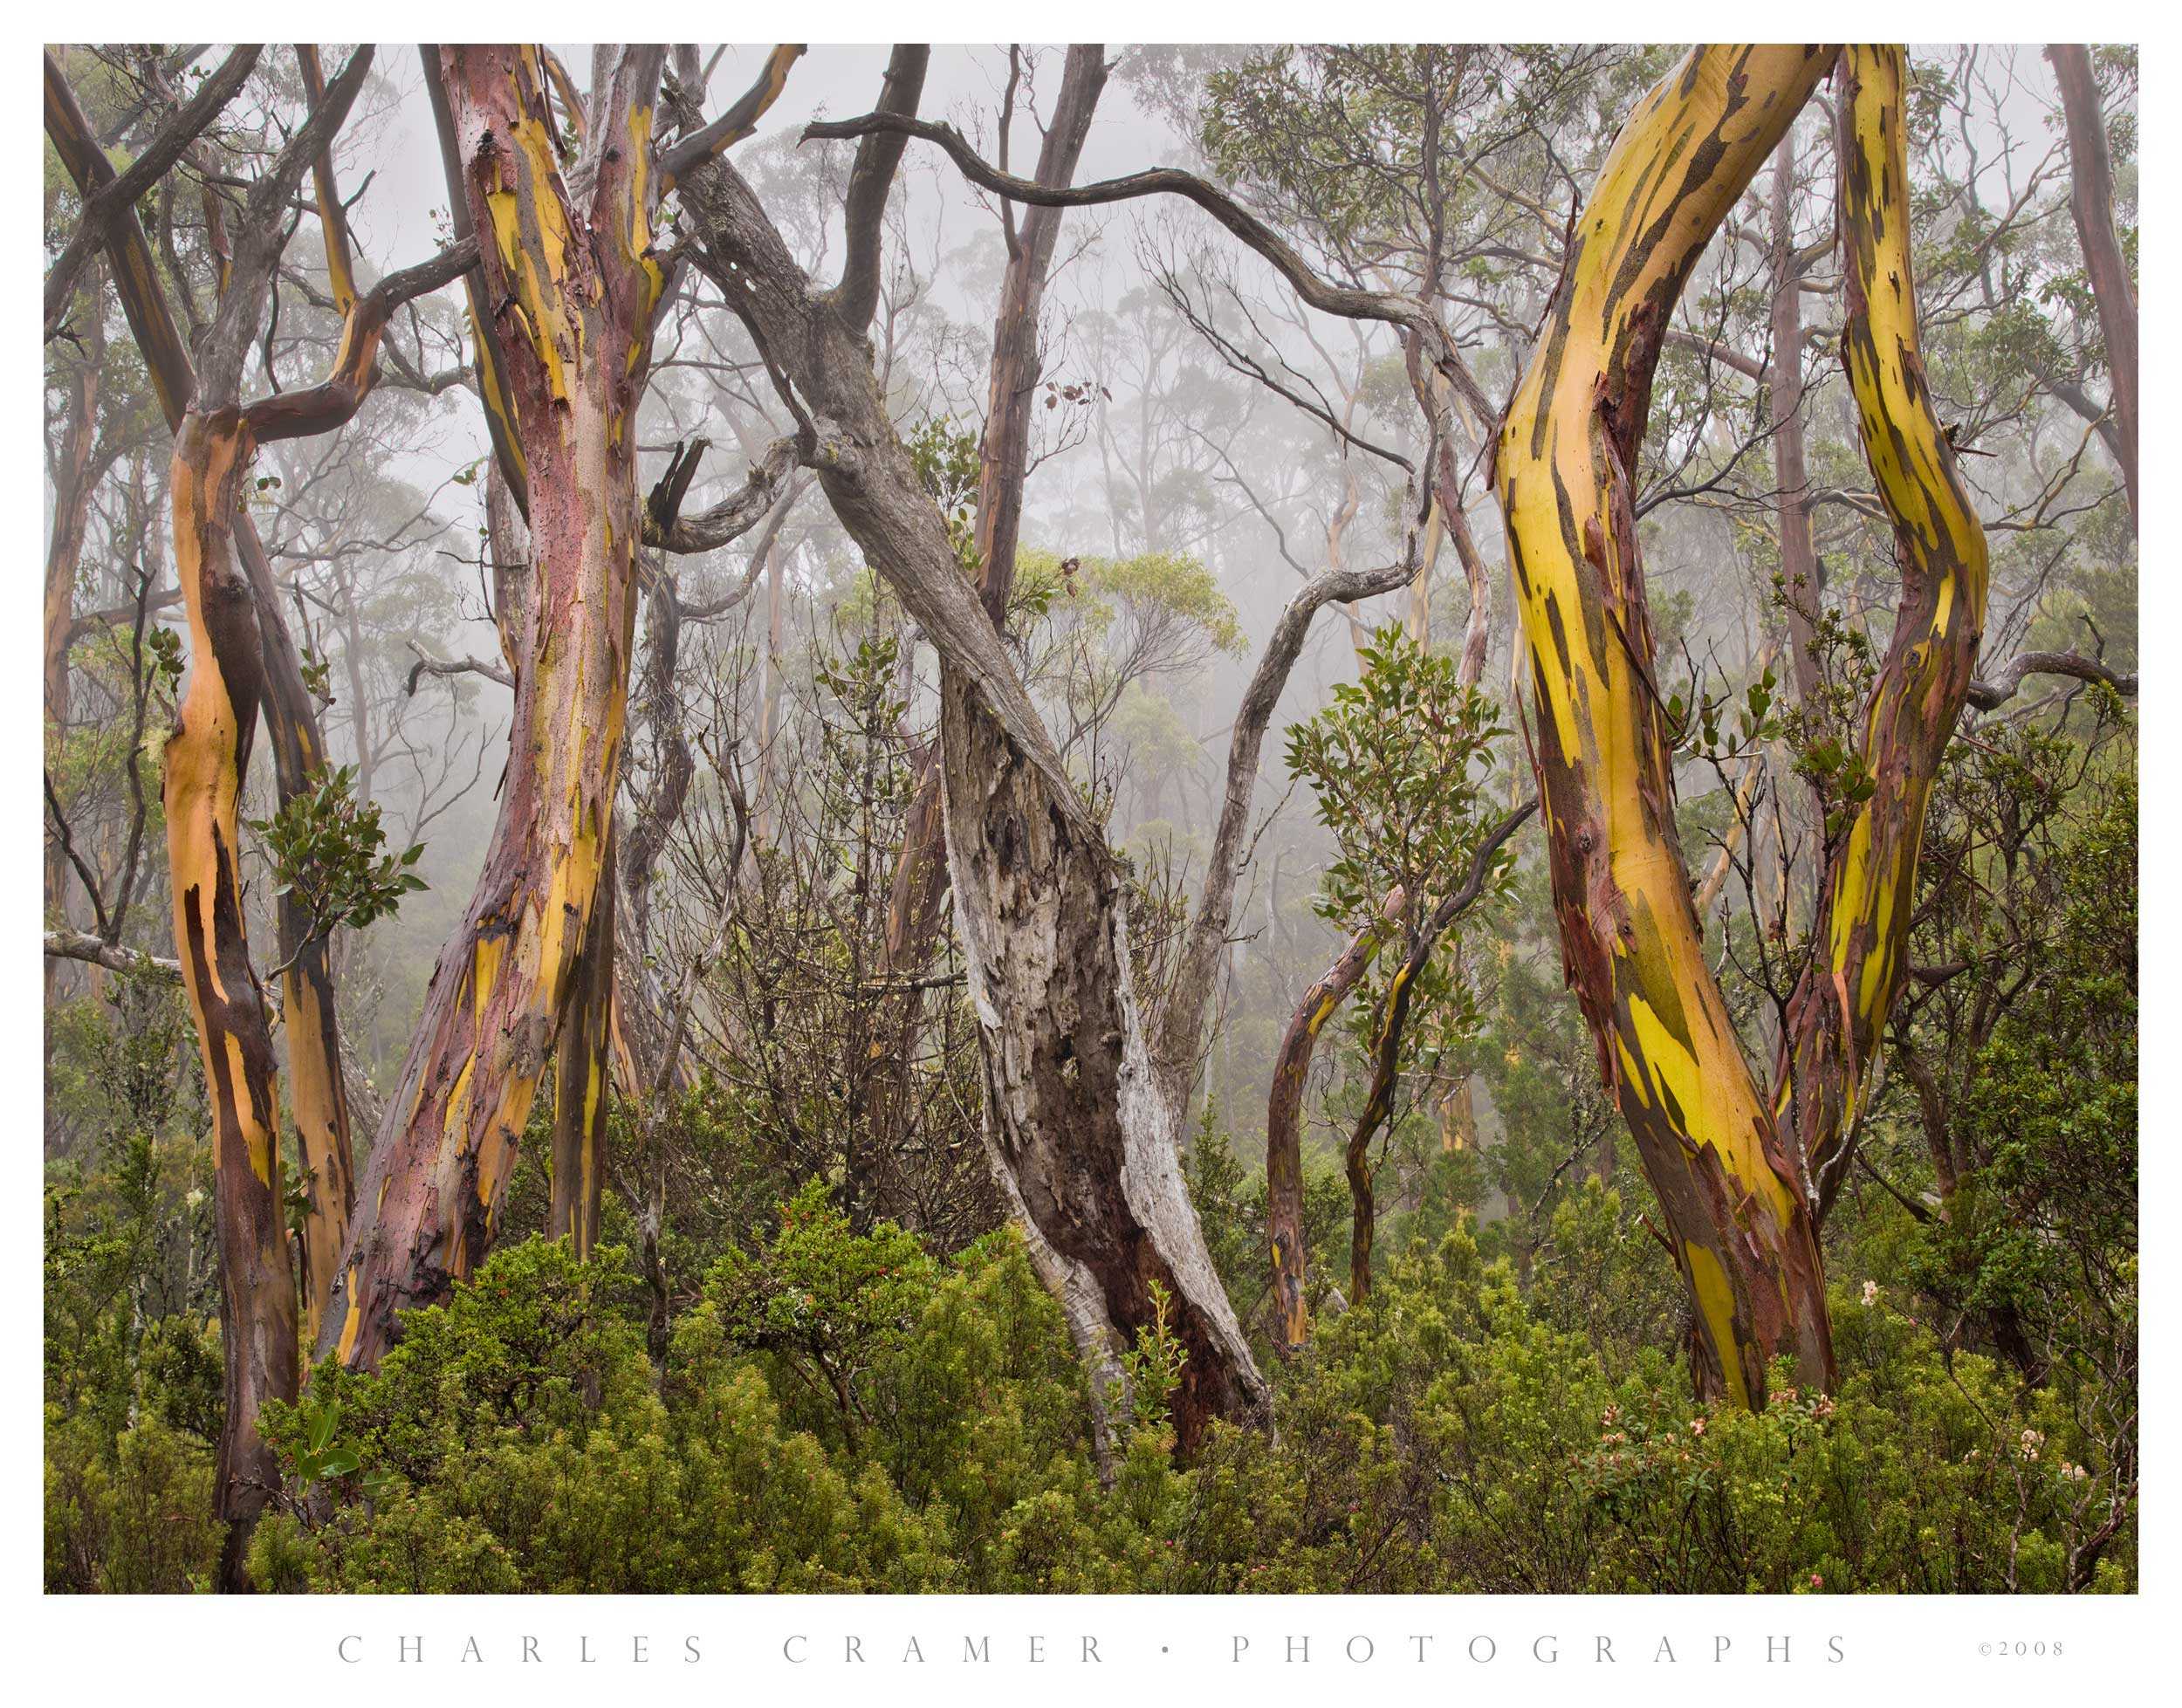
(1837,1014)
(2091,200)
(1744,1236)
(574,289)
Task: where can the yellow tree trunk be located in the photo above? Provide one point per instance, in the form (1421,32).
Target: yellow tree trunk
(573,289)
(582,1073)
(206,757)
(1743,1232)
(320,1097)
(1838,1011)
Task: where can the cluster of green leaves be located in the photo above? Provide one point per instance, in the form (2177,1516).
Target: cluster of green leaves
(946,461)
(327,849)
(2020,1055)
(1399,765)
(1702,721)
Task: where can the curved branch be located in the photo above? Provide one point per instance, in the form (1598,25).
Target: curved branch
(856,297)
(1344,301)
(428,666)
(325,407)
(1988,693)
(668,529)
(732,125)
(146,170)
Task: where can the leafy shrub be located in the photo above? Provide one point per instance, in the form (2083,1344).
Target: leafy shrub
(843,1411)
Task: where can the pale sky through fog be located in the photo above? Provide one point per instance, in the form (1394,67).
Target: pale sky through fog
(395,225)
(1099,260)
(963,86)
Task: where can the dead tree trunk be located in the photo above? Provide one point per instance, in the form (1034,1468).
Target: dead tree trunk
(1003,462)
(1082,1137)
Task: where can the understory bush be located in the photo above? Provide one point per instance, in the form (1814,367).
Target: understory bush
(846,1411)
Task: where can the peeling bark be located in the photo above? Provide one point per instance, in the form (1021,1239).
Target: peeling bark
(1003,462)
(1077,1122)
(1076,1115)
(582,1073)
(308,1012)
(574,283)
(241,658)
(1837,1014)
(1743,1235)
(207,758)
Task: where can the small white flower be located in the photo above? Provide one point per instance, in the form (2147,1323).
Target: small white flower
(1871,1293)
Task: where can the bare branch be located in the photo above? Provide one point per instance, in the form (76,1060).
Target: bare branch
(427,665)
(737,122)
(151,165)
(1177,1027)
(729,520)
(1998,689)
(82,946)
(856,297)
(1346,301)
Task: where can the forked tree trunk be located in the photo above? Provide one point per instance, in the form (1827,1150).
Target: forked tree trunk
(573,289)
(309,1021)
(207,757)
(240,656)
(1837,1015)
(1744,1235)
